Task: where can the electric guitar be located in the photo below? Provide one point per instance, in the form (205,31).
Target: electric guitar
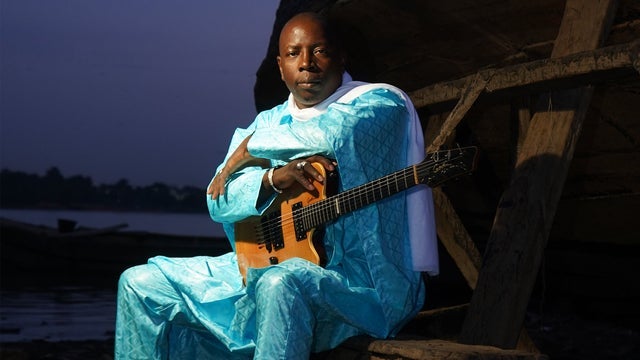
(292,225)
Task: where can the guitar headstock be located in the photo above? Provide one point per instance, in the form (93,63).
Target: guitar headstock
(441,166)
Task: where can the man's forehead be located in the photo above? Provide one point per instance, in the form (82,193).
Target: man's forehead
(303,24)
(293,43)
(299,37)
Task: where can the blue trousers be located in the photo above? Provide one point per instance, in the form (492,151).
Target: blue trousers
(193,315)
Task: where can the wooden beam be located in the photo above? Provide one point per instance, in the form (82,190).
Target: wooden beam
(473,88)
(527,208)
(520,120)
(455,238)
(584,67)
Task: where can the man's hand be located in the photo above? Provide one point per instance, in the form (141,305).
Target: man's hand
(300,171)
(216,188)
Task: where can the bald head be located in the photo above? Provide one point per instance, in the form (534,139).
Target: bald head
(320,20)
(309,60)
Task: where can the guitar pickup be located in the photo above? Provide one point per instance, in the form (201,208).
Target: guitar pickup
(272,235)
(298,224)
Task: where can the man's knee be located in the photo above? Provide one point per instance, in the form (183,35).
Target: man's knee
(135,276)
(277,281)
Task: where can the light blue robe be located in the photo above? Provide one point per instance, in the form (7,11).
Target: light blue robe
(187,308)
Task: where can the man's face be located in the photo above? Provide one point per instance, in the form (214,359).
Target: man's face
(309,66)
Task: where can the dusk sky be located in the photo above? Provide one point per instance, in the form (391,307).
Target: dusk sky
(145,90)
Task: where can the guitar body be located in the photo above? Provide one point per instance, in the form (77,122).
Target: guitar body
(275,237)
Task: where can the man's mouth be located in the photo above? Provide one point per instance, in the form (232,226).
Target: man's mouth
(305,84)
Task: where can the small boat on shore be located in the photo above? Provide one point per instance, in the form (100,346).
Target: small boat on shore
(36,254)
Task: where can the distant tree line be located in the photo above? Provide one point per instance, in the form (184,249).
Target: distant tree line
(22,190)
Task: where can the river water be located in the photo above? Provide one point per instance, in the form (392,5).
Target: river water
(57,314)
(163,223)
(80,313)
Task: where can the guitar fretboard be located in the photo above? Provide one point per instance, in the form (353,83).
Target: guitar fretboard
(363,195)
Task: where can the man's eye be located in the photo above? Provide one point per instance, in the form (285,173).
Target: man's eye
(320,51)
(292,53)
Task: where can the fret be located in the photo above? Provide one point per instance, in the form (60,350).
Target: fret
(315,216)
(382,189)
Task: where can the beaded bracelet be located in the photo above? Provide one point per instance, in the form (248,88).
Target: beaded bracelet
(270,178)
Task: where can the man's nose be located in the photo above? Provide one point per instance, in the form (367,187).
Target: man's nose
(306,61)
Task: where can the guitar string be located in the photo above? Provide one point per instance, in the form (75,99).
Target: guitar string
(321,211)
(368,193)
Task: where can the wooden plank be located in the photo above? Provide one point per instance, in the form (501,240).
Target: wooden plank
(584,65)
(526,210)
(416,349)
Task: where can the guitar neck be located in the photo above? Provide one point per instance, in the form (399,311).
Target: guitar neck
(434,170)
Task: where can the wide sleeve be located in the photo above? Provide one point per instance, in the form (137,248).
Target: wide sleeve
(288,141)
(241,190)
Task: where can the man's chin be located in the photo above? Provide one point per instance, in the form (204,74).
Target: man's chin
(307,98)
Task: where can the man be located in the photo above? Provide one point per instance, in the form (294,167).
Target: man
(201,307)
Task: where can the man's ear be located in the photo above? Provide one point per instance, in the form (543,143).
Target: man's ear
(343,60)
(280,67)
